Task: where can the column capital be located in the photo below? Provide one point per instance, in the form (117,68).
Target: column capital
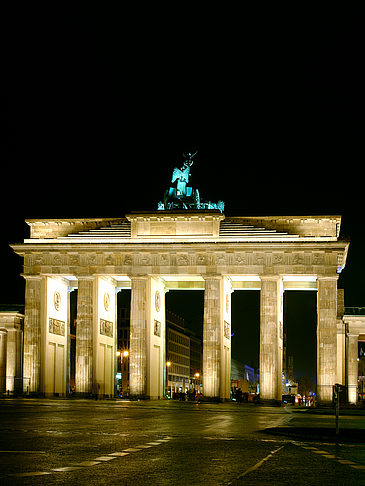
(32,277)
(270,277)
(327,278)
(139,277)
(213,277)
(86,277)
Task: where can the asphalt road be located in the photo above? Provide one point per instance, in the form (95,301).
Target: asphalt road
(168,443)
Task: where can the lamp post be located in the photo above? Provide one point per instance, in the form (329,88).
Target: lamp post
(168,364)
(125,370)
(196,376)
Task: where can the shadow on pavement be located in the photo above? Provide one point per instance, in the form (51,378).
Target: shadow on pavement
(318,434)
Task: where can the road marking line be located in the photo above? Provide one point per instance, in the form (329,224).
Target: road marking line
(22,452)
(80,465)
(87,463)
(105,458)
(256,466)
(36,473)
(327,455)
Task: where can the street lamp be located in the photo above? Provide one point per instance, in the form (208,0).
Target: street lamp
(196,376)
(168,364)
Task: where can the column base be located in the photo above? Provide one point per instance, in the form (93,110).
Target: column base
(211,399)
(270,402)
(85,395)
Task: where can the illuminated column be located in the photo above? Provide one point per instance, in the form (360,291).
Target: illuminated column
(147,338)
(326,337)
(271,337)
(32,334)
(352,366)
(138,338)
(217,337)
(225,391)
(85,336)
(3,356)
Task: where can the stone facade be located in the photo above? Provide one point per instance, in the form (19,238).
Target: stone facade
(155,251)
(11,352)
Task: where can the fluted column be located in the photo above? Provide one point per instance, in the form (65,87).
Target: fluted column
(326,337)
(138,338)
(32,334)
(3,358)
(84,336)
(271,337)
(352,366)
(217,337)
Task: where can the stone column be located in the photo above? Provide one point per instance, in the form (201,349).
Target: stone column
(138,338)
(352,366)
(3,353)
(84,336)
(271,337)
(32,335)
(326,337)
(213,337)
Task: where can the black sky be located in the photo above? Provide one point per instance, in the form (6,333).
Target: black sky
(99,105)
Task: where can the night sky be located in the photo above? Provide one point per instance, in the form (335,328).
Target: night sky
(100,105)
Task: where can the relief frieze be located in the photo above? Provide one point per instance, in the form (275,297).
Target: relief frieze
(56,327)
(164,260)
(72,263)
(106,328)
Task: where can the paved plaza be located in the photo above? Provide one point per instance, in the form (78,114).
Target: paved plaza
(169,443)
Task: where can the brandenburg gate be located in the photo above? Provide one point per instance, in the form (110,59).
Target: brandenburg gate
(173,248)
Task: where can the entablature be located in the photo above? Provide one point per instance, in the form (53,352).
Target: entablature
(234,259)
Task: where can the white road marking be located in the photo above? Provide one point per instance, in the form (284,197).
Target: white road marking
(84,464)
(105,458)
(327,455)
(256,466)
(22,452)
(87,463)
(36,473)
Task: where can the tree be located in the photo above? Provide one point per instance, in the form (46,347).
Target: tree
(305,385)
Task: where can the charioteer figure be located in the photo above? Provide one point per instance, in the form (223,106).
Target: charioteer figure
(181,195)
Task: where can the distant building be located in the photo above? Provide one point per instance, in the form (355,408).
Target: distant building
(183,350)
(123,335)
(242,376)
(177,353)
(11,349)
